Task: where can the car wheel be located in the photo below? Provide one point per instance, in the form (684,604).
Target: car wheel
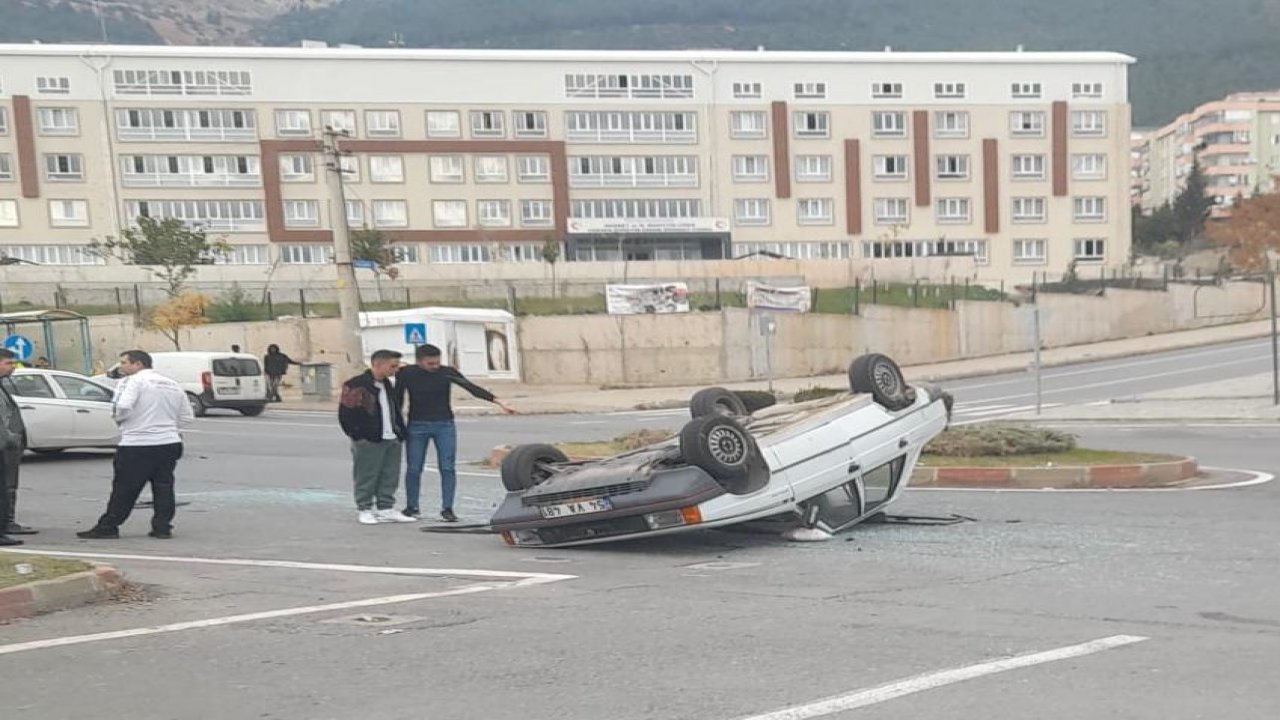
(254,411)
(527,466)
(716,401)
(198,408)
(879,376)
(718,445)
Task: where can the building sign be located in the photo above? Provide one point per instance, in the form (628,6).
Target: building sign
(779,299)
(647,299)
(641,226)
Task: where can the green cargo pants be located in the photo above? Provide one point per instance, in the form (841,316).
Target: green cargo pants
(376,470)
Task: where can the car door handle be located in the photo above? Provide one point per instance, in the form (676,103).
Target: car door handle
(903,443)
(26,407)
(82,411)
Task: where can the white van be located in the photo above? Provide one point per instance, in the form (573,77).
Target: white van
(214,380)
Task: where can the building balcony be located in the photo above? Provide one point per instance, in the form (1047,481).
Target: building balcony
(189,180)
(655,136)
(610,180)
(184,134)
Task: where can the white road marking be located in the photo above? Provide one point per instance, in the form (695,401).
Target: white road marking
(930,681)
(1005,410)
(1259,478)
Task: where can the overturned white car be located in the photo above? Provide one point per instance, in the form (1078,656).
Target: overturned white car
(828,463)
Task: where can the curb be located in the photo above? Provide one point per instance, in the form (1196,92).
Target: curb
(69,591)
(1138,475)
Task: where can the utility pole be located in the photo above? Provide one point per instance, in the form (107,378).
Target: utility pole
(1275,349)
(348,291)
(1035,319)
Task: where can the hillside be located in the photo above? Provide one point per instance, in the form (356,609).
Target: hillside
(1189,51)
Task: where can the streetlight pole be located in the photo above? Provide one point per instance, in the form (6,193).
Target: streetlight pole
(348,290)
(1275,349)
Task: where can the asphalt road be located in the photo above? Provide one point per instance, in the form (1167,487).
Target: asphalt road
(1120,605)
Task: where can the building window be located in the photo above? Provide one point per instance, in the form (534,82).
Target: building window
(46,85)
(382,123)
(6,167)
(1091,166)
(301,213)
(342,122)
(182,82)
(747,90)
(814,211)
(459,254)
(890,211)
(59,121)
(949,91)
(952,167)
(153,124)
(355,214)
(533,169)
(535,213)
(446,168)
(1026,90)
(316,254)
(889,124)
(745,124)
(405,254)
(4,121)
(530,123)
(640,127)
(1089,90)
(633,171)
(390,214)
(1091,249)
(1030,252)
(891,167)
(297,167)
(751,211)
(63,168)
(524,253)
(951,124)
(1088,123)
(491,168)
(69,213)
(810,90)
(751,168)
(293,123)
(1026,124)
(211,215)
(797,250)
(813,168)
(1089,209)
(953,210)
(488,124)
(386,168)
(1028,167)
(665,87)
(886,90)
(350,165)
(813,124)
(50,254)
(443,124)
(449,213)
(494,213)
(8,213)
(1029,210)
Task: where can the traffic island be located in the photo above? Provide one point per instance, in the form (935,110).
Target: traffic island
(34,584)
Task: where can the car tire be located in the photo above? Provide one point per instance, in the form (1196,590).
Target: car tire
(253,411)
(524,467)
(716,401)
(198,408)
(879,376)
(720,446)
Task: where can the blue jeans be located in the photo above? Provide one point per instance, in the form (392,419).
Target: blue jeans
(421,434)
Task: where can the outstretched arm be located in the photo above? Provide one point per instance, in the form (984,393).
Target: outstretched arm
(476,391)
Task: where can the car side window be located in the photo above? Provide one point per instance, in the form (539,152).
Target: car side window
(33,386)
(76,389)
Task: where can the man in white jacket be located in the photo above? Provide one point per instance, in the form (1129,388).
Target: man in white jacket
(150,410)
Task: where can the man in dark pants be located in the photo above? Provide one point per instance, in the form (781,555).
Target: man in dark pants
(150,410)
(429,386)
(12,440)
(369,413)
(276,364)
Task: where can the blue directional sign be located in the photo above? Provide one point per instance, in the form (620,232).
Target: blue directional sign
(20,346)
(365,265)
(415,334)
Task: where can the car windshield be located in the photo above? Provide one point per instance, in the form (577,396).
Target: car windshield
(236,367)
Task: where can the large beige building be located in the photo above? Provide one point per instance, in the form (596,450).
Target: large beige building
(1018,160)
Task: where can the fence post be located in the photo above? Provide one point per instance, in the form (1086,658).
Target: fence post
(1002,289)
(57,297)
(511,298)
(302,302)
(119,302)
(966,288)
(408,298)
(952,293)
(271,310)
(857,296)
(718,305)
(1034,290)
(875,291)
(137,300)
(915,294)
(1103,281)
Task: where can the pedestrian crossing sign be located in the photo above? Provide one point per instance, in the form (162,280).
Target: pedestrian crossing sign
(415,334)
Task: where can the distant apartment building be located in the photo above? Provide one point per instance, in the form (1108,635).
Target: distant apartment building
(1015,159)
(1236,141)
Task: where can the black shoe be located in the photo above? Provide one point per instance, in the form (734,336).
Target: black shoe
(448,516)
(412,512)
(99,534)
(161,534)
(16,529)
(9,542)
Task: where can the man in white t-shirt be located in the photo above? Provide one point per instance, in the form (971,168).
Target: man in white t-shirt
(369,413)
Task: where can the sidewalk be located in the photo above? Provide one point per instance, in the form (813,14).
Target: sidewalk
(548,399)
(1246,399)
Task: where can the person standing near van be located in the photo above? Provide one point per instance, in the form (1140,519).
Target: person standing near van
(276,364)
(429,386)
(369,413)
(13,434)
(150,410)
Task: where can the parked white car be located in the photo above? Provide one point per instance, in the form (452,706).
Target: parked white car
(211,380)
(63,410)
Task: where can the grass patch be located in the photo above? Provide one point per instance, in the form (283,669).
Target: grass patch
(44,568)
(999,439)
(622,443)
(1075,457)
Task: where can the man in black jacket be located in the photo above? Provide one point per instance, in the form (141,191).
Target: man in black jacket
(369,413)
(429,386)
(13,435)
(276,364)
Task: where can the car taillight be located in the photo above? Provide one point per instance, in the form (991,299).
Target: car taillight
(206,380)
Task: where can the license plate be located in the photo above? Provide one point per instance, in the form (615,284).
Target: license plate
(578,507)
(231,390)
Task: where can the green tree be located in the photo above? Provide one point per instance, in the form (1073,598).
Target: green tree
(1154,233)
(1191,208)
(374,247)
(551,250)
(170,248)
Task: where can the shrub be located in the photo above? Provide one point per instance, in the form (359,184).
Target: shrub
(235,305)
(816,393)
(999,440)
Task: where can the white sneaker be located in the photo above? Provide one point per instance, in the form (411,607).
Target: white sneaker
(368,517)
(394,516)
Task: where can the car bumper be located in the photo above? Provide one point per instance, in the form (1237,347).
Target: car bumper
(232,403)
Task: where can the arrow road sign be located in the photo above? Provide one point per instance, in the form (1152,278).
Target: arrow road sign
(20,346)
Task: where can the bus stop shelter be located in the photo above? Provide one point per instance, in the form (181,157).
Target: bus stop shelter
(59,336)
